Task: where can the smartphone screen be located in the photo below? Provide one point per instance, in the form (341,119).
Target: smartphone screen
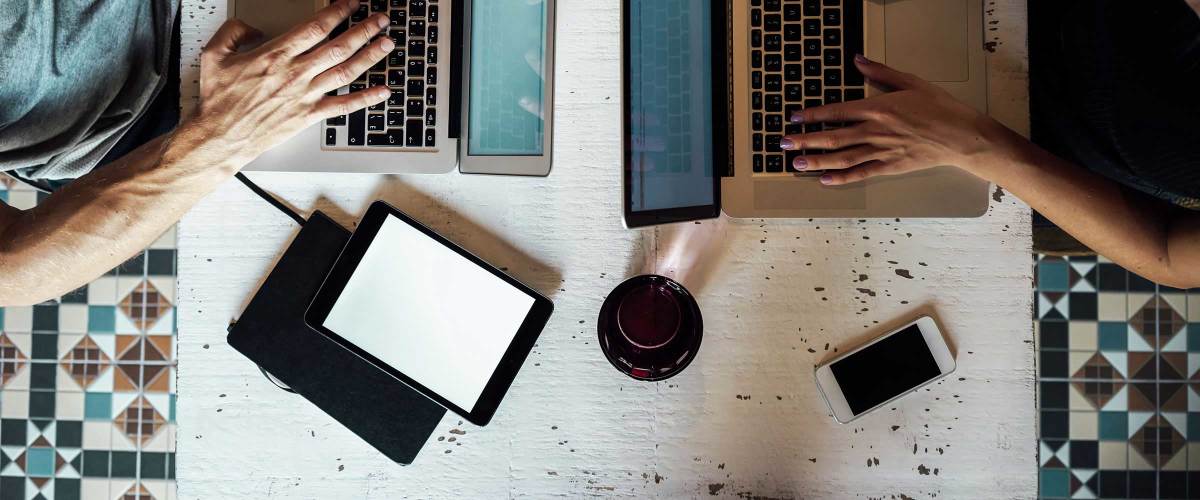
(885,369)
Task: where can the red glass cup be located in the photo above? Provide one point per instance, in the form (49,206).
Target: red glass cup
(650,327)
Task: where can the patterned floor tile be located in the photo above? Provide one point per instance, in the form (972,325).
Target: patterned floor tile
(1119,383)
(86,384)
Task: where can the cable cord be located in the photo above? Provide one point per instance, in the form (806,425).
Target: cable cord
(279,205)
(267,197)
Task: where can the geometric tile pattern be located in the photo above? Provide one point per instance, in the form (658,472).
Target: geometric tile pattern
(87,394)
(1118,382)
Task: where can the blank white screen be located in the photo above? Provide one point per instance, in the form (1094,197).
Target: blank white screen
(429,313)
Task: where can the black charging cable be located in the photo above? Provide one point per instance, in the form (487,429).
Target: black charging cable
(282,207)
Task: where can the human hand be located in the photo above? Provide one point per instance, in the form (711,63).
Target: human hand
(916,125)
(252,101)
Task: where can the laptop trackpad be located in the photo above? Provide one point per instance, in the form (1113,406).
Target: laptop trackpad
(927,38)
(806,193)
(273,17)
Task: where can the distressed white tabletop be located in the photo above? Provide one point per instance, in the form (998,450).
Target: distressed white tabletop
(743,420)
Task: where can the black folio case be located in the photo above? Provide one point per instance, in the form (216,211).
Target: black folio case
(384,412)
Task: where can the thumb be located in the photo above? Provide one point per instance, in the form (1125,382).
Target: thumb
(881,74)
(229,36)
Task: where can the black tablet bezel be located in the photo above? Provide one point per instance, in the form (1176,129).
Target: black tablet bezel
(720,133)
(522,343)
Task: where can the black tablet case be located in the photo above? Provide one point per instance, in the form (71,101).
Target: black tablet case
(384,412)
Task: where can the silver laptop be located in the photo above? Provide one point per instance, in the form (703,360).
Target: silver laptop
(471,81)
(685,160)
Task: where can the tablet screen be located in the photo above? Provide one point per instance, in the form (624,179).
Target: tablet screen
(429,312)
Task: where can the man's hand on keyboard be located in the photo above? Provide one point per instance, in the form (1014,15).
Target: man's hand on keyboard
(916,125)
(257,99)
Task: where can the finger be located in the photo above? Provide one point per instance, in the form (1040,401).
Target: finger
(853,111)
(828,139)
(344,73)
(340,49)
(838,160)
(533,58)
(232,33)
(860,173)
(345,104)
(308,34)
(880,73)
(531,106)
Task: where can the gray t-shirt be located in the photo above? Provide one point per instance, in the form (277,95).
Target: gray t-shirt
(74,76)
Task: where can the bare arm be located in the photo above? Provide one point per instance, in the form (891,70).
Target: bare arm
(249,102)
(919,125)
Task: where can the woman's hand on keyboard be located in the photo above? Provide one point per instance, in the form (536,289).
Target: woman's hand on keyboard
(256,99)
(914,126)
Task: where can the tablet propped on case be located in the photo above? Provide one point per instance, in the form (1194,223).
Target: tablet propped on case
(384,412)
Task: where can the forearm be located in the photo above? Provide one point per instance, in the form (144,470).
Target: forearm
(1126,227)
(94,223)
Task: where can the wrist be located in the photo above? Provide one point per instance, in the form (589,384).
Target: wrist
(195,142)
(998,146)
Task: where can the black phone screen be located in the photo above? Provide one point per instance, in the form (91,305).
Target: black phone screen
(885,369)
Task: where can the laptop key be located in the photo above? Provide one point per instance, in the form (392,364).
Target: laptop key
(360,14)
(774,163)
(772,22)
(812,103)
(792,72)
(794,92)
(756,59)
(852,24)
(433,35)
(774,83)
(416,68)
(756,18)
(812,67)
(812,8)
(337,120)
(832,96)
(396,58)
(812,87)
(431,55)
(416,87)
(833,77)
(396,100)
(812,47)
(855,94)
(413,133)
(756,100)
(792,33)
(833,37)
(774,123)
(757,142)
(399,37)
(357,128)
(756,38)
(832,17)
(430,117)
(773,62)
(398,18)
(431,77)
(430,136)
(395,118)
(756,121)
(792,12)
(416,48)
(374,122)
(773,42)
(772,143)
(330,137)
(415,107)
(433,14)
(416,27)
(376,79)
(758,163)
(756,80)
(396,77)
(431,97)
(833,57)
(774,103)
(812,27)
(789,160)
(417,8)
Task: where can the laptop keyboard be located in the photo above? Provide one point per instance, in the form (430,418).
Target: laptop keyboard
(801,55)
(408,120)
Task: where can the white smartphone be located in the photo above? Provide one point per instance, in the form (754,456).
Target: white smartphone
(884,369)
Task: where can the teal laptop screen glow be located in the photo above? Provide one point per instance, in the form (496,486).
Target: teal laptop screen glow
(508,49)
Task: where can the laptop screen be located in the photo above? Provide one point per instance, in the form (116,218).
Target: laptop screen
(671,151)
(508,46)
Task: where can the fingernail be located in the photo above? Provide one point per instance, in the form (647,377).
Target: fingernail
(826,179)
(388,44)
(861,59)
(786,143)
(800,163)
(382,21)
(797,118)
(385,92)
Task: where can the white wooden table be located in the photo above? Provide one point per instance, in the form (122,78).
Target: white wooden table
(744,419)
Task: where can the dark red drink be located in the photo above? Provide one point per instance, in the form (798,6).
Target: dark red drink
(650,327)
